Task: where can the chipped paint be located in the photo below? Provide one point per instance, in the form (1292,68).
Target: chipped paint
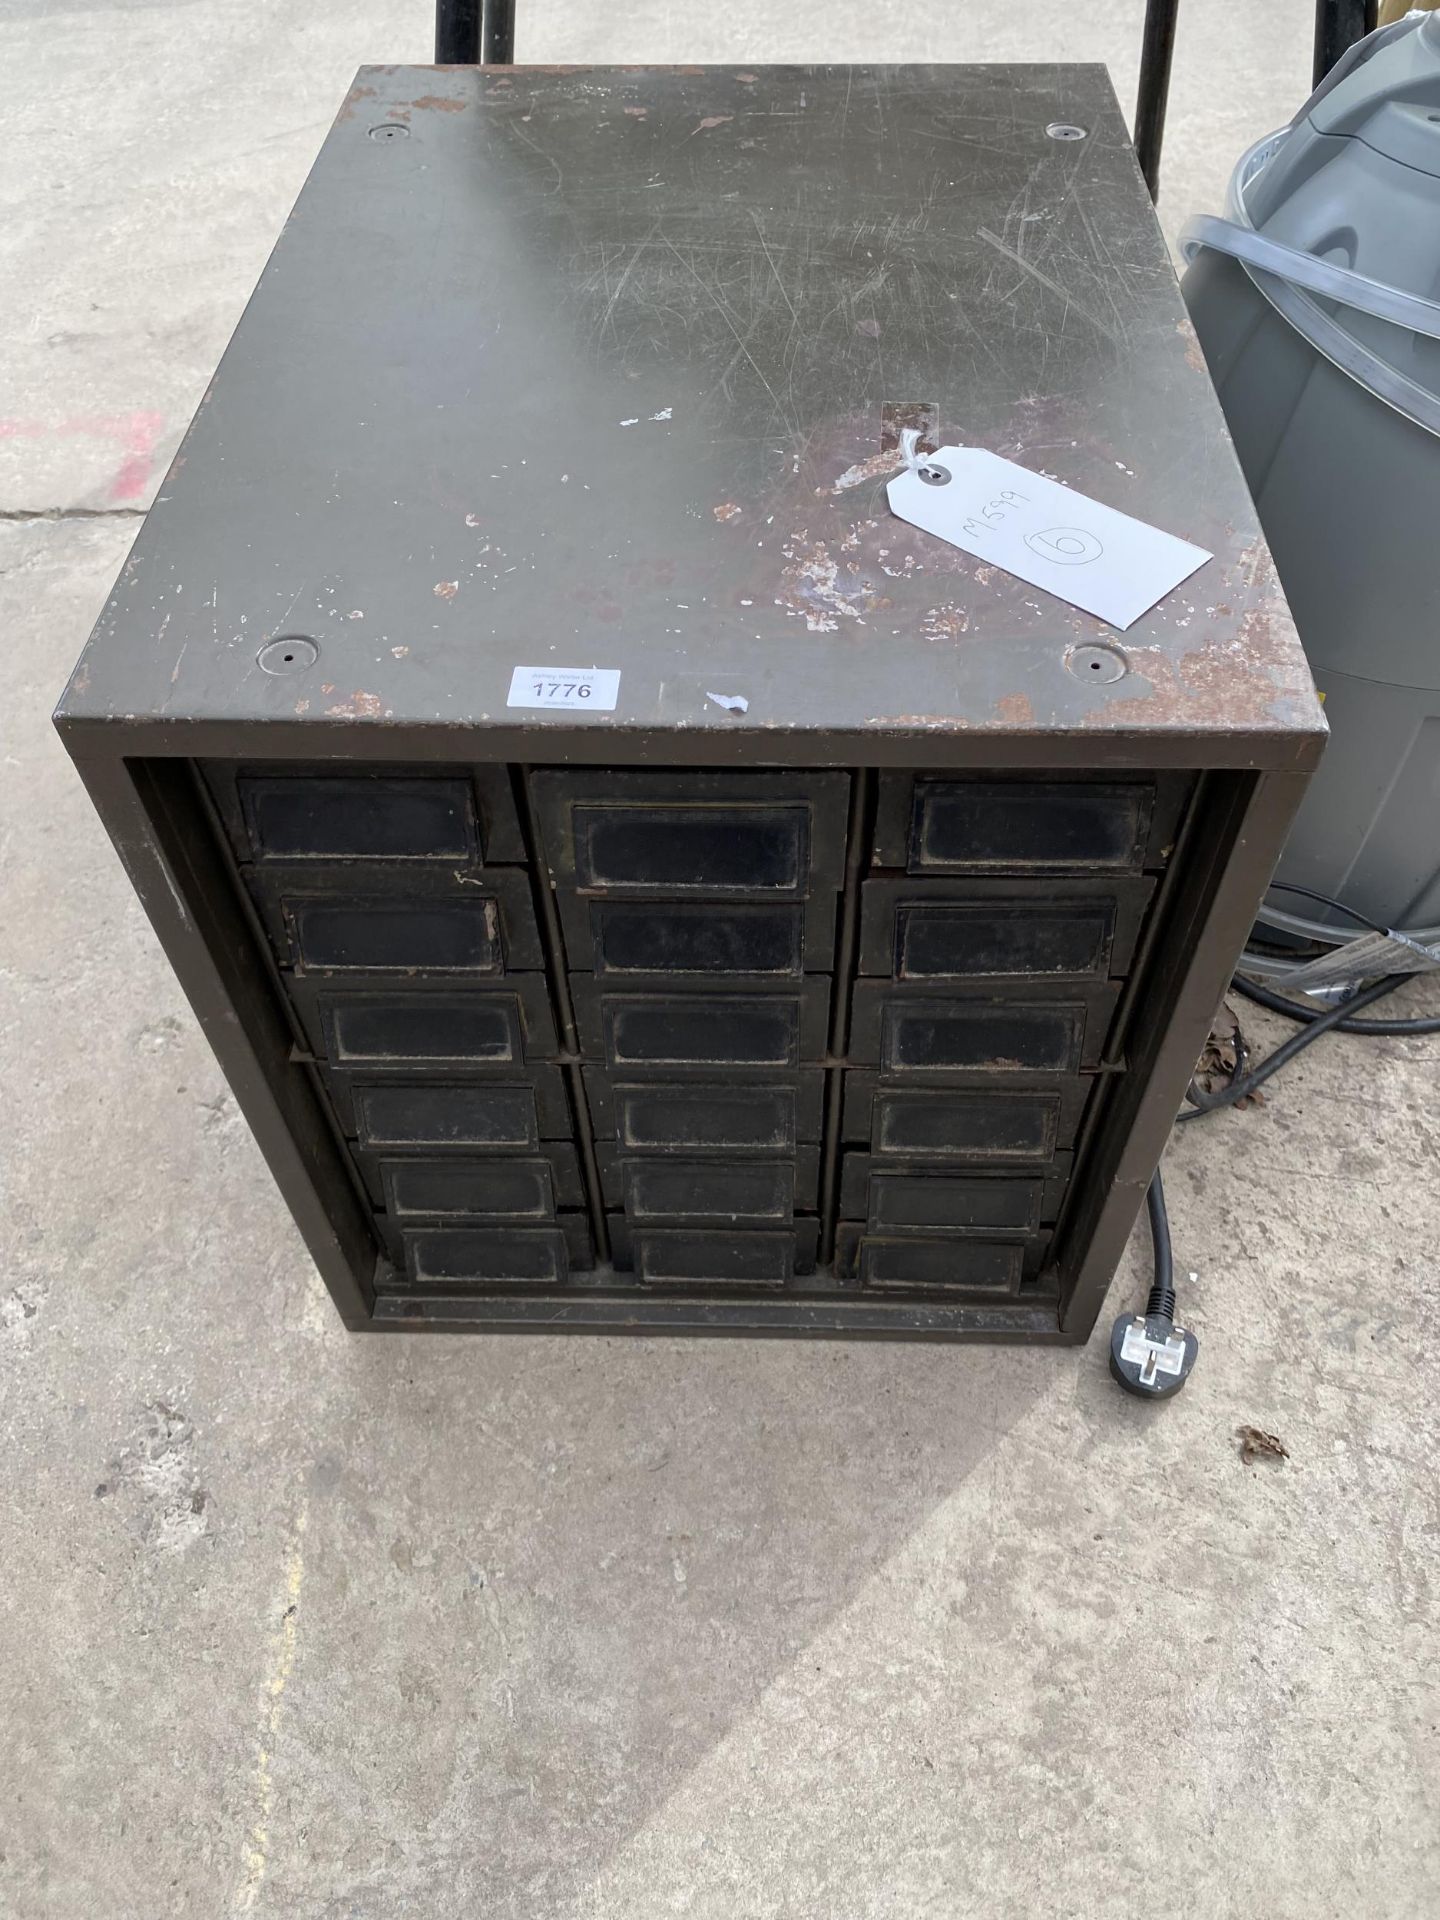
(727,510)
(814,586)
(945,623)
(445,589)
(879,466)
(360,706)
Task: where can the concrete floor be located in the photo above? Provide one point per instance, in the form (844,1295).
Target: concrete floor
(294,1623)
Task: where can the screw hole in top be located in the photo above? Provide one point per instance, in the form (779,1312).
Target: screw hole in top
(1062,130)
(292,653)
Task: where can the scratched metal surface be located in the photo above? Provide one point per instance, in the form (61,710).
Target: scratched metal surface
(592,368)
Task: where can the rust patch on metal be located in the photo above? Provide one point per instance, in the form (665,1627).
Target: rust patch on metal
(1224,681)
(637,113)
(1194,352)
(352,100)
(438,103)
(1015,710)
(712,120)
(727,510)
(445,589)
(899,416)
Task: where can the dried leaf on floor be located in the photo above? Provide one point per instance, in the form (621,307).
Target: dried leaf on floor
(1224,1056)
(1255,1445)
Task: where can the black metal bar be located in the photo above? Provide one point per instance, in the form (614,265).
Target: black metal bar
(1338,25)
(457,33)
(1157,46)
(499,33)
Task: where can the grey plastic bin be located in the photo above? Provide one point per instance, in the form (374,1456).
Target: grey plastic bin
(1315,303)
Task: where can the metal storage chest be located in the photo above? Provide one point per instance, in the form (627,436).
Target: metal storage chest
(844,976)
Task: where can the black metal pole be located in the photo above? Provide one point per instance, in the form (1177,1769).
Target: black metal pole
(499,33)
(1157,45)
(1338,25)
(457,33)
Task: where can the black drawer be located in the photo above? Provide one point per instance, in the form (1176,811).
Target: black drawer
(713,1256)
(461,1259)
(452,816)
(322,925)
(948,1264)
(489,1026)
(945,933)
(669,1186)
(499,1115)
(933,824)
(907,1034)
(695,831)
(738,1117)
(514,1187)
(662,1032)
(903,1200)
(718,941)
(983,1124)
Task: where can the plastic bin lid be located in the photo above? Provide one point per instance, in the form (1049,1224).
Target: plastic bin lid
(1353,181)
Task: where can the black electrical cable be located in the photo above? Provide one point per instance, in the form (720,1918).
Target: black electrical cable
(1240,1088)
(1241,1084)
(1162,1291)
(1277,1003)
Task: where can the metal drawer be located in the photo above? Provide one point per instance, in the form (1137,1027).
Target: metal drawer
(902,1200)
(932,824)
(662,1032)
(943,932)
(452,816)
(499,1115)
(461,1259)
(713,1256)
(907,1034)
(483,1026)
(712,941)
(513,1187)
(949,1264)
(322,923)
(985,1123)
(693,831)
(667,1186)
(740,1117)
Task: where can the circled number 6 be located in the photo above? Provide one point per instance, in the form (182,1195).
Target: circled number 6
(1066,546)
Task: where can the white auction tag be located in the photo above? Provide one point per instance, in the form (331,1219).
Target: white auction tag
(1072,546)
(586,689)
